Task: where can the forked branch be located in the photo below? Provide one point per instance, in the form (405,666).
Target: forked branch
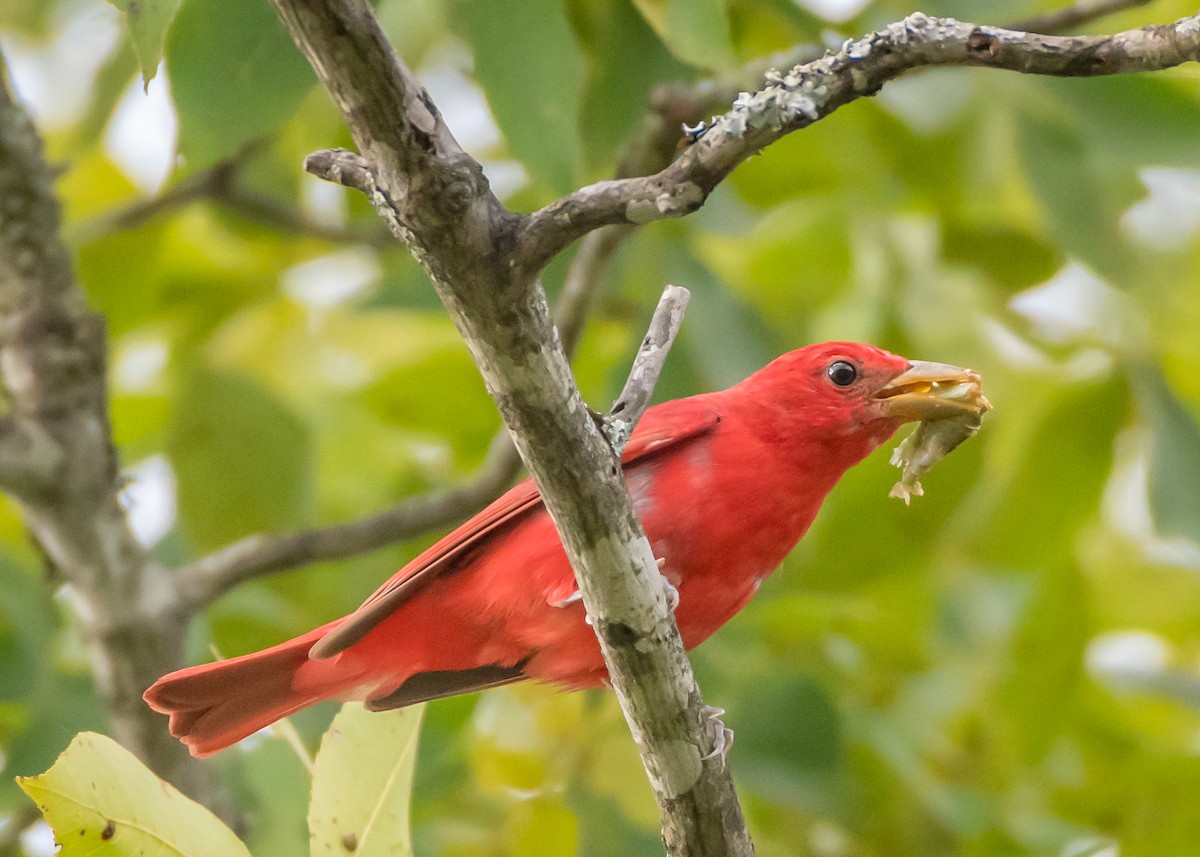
(809,92)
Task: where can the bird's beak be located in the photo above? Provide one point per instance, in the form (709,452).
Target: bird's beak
(933,391)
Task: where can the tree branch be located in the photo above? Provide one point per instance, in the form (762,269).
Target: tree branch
(221,185)
(814,90)
(1075,15)
(52,367)
(635,397)
(205,580)
(202,582)
(436,199)
(583,282)
(30,460)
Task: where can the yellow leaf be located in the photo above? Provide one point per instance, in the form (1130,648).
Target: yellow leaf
(102,802)
(362,783)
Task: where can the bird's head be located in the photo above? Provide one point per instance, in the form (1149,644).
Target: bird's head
(855,396)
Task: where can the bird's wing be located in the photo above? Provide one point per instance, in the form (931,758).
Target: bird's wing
(662,427)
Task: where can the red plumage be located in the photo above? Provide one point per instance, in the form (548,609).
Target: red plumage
(725,483)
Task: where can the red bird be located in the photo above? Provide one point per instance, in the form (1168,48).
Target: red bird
(725,483)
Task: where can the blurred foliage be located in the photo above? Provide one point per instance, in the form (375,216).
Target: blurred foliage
(1008,667)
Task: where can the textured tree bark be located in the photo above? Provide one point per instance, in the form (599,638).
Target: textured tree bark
(435,198)
(63,470)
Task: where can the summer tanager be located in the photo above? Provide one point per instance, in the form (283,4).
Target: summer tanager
(725,484)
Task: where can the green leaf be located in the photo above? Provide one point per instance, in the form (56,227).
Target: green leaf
(788,724)
(543,827)
(235,76)
(1046,661)
(795,260)
(1048,464)
(696,31)
(1142,119)
(362,782)
(528,64)
(69,702)
(272,795)
(26,624)
(33,17)
(725,337)
(148,21)
(100,800)
(413,396)
(1174,472)
(1012,258)
(242,458)
(1082,199)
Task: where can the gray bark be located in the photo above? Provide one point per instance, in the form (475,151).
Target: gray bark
(58,462)
(435,198)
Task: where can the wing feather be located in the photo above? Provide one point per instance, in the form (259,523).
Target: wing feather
(663,427)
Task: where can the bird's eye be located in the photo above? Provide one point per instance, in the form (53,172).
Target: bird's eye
(842,373)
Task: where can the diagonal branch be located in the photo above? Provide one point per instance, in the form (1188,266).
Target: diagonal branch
(207,579)
(435,198)
(814,90)
(221,184)
(635,397)
(30,459)
(1076,15)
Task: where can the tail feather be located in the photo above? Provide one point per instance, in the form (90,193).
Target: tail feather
(212,706)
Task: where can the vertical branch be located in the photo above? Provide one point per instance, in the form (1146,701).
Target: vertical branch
(57,458)
(435,198)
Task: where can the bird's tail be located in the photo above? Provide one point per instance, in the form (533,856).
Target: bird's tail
(214,705)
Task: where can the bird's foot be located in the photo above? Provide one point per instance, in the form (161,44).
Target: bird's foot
(722,735)
(672,595)
(574,598)
(668,586)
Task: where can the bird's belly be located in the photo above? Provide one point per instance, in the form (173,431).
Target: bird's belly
(716,552)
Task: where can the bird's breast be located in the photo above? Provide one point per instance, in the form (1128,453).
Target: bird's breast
(722,520)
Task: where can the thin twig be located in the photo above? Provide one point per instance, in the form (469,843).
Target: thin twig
(283,217)
(205,580)
(183,193)
(341,166)
(220,184)
(1075,15)
(582,283)
(623,417)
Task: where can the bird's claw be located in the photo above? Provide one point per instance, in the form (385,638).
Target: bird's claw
(574,598)
(668,587)
(722,735)
(672,595)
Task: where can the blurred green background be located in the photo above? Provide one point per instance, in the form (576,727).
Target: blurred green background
(1009,667)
